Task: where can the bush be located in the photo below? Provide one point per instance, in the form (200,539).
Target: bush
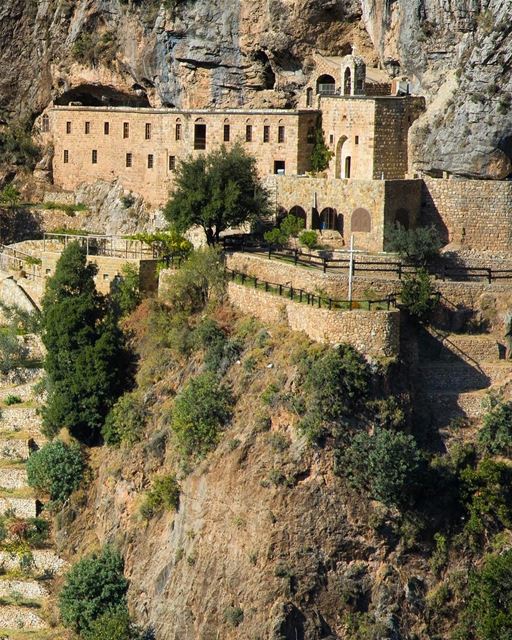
(200,411)
(12,351)
(200,279)
(57,469)
(94,585)
(11,399)
(336,382)
(164,494)
(291,226)
(126,293)
(309,239)
(126,420)
(496,433)
(386,465)
(490,603)
(418,294)
(234,616)
(418,246)
(220,352)
(321,154)
(114,625)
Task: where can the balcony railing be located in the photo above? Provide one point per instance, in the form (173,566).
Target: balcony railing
(327,89)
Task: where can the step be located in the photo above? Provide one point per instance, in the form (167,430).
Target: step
(44,561)
(26,589)
(18,617)
(23,507)
(16,418)
(462,376)
(13,477)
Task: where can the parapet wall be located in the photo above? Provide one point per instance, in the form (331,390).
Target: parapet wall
(476,214)
(374,333)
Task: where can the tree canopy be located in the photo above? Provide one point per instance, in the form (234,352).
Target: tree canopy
(85,362)
(217,191)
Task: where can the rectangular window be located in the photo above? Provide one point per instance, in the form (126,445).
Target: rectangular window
(356,141)
(266,133)
(66,156)
(106,128)
(279,167)
(178,131)
(87,127)
(148,131)
(200,136)
(280,134)
(227,132)
(172,163)
(94,156)
(150,161)
(128,159)
(68,127)
(126,129)
(248,133)
(331,139)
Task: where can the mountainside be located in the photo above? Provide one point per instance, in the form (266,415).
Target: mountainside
(196,53)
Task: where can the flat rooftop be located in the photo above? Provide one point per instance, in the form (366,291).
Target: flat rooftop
(174,111)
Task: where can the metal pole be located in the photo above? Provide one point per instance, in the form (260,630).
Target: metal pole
(351,269)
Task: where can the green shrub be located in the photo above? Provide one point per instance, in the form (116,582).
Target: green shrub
(126,421)
(114,625)
(490,598)
(418,294)
(11,399)
(309,239)
(200,411)
(164,494)
(386,465)
(496,433)
(418,246)
(37,531)
(17,146)
(336,382)
(57,469)
(220,352)
(94,586)
(126,294)
(321,154)
(291,226)
(234,616)
(12,351)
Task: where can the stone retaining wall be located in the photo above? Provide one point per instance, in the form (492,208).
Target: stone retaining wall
(24,588)
(20,419)
(13,478)
(45,561)
(375,333)
(22,507)
(12,617)
(14,449)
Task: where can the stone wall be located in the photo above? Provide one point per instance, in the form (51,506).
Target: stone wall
(475,214)
(150,138)
(374,333)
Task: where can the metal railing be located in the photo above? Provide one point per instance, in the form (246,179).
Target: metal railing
(312,299)
(108,246)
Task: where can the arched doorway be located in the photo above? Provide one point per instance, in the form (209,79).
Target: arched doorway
(361,221)
(339,156)
(329,219)
(326,85)
(315,218)
(347,82)
(298,212)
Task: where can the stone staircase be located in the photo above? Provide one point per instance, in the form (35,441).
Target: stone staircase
(456,372)
(26,573)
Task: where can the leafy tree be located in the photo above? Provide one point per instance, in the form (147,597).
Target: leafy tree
(418,246)
(57,469)
(418,294)
(496,433)
(490,605)
(126,295)
(336,383)
(321,154)
(291,226)
(12,351)
(200,411)
(126,420)
(200,280)
(85,362)
(387,465)
(217,191)
(114,625)
(169,242)
(309,239)
(93,586)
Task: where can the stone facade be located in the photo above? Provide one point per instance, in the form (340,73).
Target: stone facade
(375,333)
(474,214)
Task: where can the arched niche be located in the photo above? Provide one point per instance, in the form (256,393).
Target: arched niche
(361,221)
(298,212)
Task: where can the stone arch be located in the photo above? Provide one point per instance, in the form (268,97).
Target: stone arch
(326,84)
(298,212)
(361,221)
(347,82)
(329,219)
(339,157)
(402,218)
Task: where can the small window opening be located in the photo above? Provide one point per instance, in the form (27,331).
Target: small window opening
(95,156)
(227,132)
(46,124)
(178,131)
(280,134)
(129,159)
(266,133)
(106,128)
(66,156)
(68,127)
(172,163)
(126,130)
(150,161)
(148,131)
(356,141)
(248,133)
(279,167)
(87,127)
(200,136)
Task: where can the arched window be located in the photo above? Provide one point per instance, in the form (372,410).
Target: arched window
(329,219)
(199,134)
(326,85)
(361,221)
(309,97)
(347,82)
(227,130)
(45,123)
(348,166)
(298,212)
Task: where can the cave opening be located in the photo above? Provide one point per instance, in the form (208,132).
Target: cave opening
(89,95)
(267,73)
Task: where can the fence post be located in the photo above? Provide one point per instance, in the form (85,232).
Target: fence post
(300,295)
(330,304)
(255,282)
(489,275)
(266,286)
(399,270)
(280,289)
(291,293)
(296,256)
(319,302)
(269,251)
(325,263)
